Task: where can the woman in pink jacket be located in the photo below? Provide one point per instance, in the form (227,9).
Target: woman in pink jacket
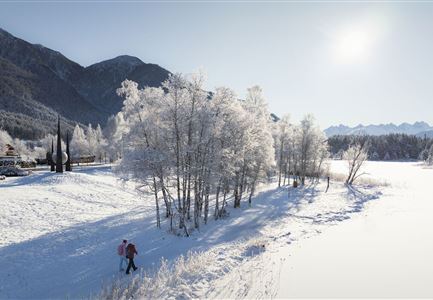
(121,251)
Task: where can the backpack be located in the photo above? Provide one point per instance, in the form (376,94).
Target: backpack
(128,250)
(120,250)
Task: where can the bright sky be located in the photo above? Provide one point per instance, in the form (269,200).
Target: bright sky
(346,63)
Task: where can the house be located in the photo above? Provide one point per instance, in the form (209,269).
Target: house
(10,151)
(11,158)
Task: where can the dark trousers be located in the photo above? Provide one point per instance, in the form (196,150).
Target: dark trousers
(131,265)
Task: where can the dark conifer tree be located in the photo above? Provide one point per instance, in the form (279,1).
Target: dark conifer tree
(59,165)
(68,166)
(51,156)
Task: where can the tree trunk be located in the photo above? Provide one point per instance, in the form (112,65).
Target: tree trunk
(224,202)
(253,184)
(196,205)
(242,185)
(217,200)
(158,219)
(236,191)
(166,201)
(177,134)
(206,198)
(188,196)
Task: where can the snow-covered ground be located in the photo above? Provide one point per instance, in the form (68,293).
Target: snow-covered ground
(58,238)
(385,251)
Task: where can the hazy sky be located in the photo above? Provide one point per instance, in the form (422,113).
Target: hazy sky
(346,63)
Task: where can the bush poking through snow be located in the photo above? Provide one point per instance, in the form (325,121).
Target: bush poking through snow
(177,280)
(169,281)
(254,250)
(339,177)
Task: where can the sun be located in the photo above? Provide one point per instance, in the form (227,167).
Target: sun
(353,45)
(357,42)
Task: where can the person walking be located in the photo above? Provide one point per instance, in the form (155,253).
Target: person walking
(121,251)
(130,253)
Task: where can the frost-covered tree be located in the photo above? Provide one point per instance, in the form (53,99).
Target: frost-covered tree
(283,142)
(300,150)
(101,143)
(311,148)
(46,142)
(96,142)
(143,159)
(183,143)
(258,151)
(305,145)
(92,144)
(5,139)
(356,156)
(22,149)
(39,153)
(79,143)
(114,130)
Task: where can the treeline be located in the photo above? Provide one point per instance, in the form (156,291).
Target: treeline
(88,142)
(384,147)
(25,127)
(300,150)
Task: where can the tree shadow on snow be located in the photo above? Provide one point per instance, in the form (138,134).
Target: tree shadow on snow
(356,198)
(26,180)
(93,169)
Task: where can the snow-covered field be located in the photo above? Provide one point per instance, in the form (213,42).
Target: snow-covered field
(385,251)
(58,238)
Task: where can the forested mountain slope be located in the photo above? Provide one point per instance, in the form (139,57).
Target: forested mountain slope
(37,83)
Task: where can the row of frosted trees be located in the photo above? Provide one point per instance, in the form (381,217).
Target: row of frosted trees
(88,142)
(187,146)
(300,150)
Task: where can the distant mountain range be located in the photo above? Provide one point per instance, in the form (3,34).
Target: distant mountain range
(37,83)
(417,128)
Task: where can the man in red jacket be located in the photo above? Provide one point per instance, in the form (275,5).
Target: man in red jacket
(130,252)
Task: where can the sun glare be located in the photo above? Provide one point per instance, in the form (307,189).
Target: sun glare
(353,45)
(356,42)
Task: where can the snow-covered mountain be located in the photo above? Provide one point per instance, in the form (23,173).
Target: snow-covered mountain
(417,128)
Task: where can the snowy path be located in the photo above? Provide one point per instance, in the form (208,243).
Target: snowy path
(384,251)
(59,233)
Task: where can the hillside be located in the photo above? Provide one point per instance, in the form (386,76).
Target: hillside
(98,82)
(37,83)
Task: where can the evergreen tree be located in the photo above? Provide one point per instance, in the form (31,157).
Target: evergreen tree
(51,156)
(68,166)
(59,153)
